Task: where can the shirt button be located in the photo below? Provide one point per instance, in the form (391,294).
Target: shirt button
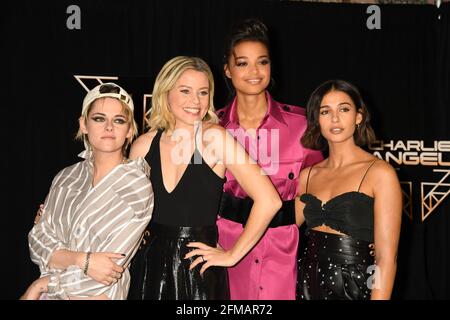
(256,261)
(259,137)
(260,288)
(286,108)
(291,175)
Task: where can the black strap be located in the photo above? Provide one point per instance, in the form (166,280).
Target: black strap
(155,141)
(238,210)
(307,179)
(366,174)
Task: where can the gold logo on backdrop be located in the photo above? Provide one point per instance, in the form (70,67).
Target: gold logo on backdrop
(412,152)
(436,194)
(147,103)
(418,153)
(407,198)
(99,79)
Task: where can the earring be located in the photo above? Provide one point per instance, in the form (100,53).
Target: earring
(358,125)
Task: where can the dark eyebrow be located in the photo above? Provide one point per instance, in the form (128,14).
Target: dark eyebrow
(104,115)
(340,104)
(245,57)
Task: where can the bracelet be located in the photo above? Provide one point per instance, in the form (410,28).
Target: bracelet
(86,263)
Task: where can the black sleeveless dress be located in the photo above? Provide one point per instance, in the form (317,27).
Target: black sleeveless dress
(331,266)
(188,213)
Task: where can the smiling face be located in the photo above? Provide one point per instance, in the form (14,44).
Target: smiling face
(106,126)
(189,98)
(338,117)
(248,67)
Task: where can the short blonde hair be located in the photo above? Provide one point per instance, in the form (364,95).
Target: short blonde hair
(159,116)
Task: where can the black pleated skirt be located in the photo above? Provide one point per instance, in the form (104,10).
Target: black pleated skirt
(334,267)
(160,272)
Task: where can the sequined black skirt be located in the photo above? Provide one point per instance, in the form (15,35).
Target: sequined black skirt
(159,272)
(334,267)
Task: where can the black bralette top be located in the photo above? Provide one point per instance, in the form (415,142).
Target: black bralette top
(351,213)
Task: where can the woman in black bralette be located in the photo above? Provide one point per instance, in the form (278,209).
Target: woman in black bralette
(349,201)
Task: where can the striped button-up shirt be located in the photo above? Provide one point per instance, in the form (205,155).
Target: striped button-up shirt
(109,217)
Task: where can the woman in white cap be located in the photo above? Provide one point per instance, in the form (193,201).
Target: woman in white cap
(96,210)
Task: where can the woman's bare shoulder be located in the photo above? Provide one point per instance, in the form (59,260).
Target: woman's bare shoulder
(312,168)
(214,133)
(382,170)
(309,171)
(141,145)
(381,176)
(208,126)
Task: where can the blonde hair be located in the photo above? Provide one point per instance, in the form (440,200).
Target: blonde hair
(159,116)
(129,114)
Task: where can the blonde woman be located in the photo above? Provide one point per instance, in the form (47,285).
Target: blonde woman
(96,210)
(189,153)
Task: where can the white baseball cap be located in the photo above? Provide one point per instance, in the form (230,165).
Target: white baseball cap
(104,90)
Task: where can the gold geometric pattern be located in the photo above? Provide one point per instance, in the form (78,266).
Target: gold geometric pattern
(407,197)
(98,78)
(146,107)
(438,192)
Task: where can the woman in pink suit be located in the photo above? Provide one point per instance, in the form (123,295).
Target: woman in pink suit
(270,132)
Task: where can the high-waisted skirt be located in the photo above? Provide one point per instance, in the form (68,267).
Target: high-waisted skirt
(160,272)
(334,267)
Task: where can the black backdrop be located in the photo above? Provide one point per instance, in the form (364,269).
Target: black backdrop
(403,71)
